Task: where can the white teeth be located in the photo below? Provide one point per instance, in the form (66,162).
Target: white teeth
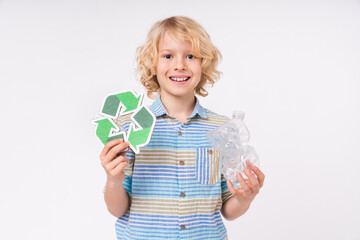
(179,79)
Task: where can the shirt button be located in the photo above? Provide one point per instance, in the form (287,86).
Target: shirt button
(210,151)
(182,194)
(180,133)
(183,227)
(182,163)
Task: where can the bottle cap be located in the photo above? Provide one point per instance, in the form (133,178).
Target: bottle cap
(238,114)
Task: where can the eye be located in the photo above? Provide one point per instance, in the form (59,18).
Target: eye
(190,56)
(167,56)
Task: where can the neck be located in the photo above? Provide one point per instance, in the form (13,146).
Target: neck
(179,107)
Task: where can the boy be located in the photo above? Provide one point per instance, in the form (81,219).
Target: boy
(173,189)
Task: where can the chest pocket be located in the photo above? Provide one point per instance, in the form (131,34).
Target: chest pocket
(207,165)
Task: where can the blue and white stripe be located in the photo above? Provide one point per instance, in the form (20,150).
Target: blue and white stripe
(174,184)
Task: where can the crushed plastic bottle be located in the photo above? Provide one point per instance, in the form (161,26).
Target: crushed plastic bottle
(231,139)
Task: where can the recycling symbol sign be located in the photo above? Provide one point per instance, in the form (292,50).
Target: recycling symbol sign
(141,127)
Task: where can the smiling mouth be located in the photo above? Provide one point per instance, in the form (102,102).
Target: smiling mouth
(177,79)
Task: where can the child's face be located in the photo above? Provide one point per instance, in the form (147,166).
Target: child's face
(177,71)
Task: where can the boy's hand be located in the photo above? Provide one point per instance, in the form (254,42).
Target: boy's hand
(249,187)
(114,161)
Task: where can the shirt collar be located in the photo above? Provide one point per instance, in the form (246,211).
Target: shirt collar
(158,109)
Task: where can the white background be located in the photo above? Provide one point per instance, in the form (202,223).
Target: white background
(292,66)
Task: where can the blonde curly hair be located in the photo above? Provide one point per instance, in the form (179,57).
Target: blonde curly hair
(182,28)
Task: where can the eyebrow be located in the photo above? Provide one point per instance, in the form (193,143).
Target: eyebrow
(166,50)
(170,50)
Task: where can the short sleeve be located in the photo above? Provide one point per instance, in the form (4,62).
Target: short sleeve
(225,192)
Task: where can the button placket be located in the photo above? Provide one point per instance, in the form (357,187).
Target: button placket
(181,128)
(182,186)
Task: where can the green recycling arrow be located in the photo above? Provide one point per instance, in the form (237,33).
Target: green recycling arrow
(138,135)
(127,99)
(145,119)
(103,130)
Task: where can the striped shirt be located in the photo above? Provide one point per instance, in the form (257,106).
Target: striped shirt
(174,183)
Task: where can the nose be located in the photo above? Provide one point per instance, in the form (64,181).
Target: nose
(180,64)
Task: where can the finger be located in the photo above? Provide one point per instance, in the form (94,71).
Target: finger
(111,165)
(120,167)
(231,188)
(242,182)
(114,151)
(254,182)
(260,175)
(248,163)
(108,146)
(125,151)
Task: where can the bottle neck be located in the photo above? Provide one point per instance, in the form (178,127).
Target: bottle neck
(238,115)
